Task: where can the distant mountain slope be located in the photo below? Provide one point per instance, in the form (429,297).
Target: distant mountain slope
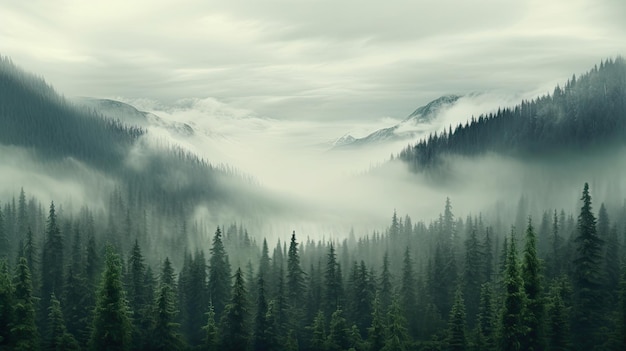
(407,129)
(35,118)
(589,111)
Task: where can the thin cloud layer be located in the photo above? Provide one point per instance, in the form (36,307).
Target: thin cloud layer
(310,60)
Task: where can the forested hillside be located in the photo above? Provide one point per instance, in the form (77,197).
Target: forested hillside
(51,129)
(588,113)
(450,283)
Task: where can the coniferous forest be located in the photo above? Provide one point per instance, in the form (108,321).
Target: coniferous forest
(449,283)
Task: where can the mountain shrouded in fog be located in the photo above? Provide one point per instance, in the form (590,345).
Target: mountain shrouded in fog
(108,138)
(587,113)
(168,252)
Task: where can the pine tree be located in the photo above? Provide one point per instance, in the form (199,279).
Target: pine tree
(137,295)
(7,304)
(386,289)
(318,339)
(24,332)
(5,248)
(164,334)
(111,323)
(397,336)
(486,317)
(587,279)
(457,340)
(30,253)
(52,261)
(534,311)
(295,283)
(376,332)
(472,276)
(193,298)
(260,342)
(511,325)
(338,333)
(219,275)
(408,299)
(234,329)
(333,291)
(58,338)
(612,266)
(211,341)
(558,328)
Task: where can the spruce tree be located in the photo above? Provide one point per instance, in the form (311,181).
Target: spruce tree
(219,275)
(397,335)
(558,323)
(7,304)
(52,261)
(333,291)
(386,289)
(338,333)
(295,283)
(472,276)
(24,332)
(587,278)
(260,342)
(57,336)
(318,339)
(5,248)
(112,326)
(211,341)
(486,317)
(534,312)
(235,333)
(376,332)
(408,299)
(457,340)
(164,334)
(512,330)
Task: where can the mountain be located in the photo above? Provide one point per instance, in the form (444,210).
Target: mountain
(97,143)
(129,114)
(587,114)
(409,128)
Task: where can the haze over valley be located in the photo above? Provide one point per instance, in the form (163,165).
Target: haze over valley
(313,176)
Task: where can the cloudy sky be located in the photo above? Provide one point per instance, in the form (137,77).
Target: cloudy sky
(305,59)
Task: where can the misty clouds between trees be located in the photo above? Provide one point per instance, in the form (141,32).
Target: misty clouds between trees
(557,283)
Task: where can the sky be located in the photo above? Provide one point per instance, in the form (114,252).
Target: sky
(306,60)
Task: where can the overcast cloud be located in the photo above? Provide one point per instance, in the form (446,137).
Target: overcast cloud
(306,60)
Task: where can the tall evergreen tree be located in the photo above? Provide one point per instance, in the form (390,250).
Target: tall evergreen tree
(587,278)
(235,333)
(386,289)
(376,331)
(511,325)
(408,298)
(211,342)
(5,248)
(112,327)
(338,339)
(260,340)
(397,335)
(164,334)
(23,331)
(52,261)
(457,340)
(219,275)
(534,338)
(334,291)
(7,304)
(472,276)
(486,318)
(295,283)
(137,295)
(558,323)
(318,338)
(57,337)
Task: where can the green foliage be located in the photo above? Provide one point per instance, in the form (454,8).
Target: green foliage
(164,334)
(512,329)
(587,278)
(534,312)
(57,337)
(211,341)
(52,280)
(112,326)
(7,304)
(235,333)
(338,333)
(457,339)
(23,331)
(219,274)
(397,335)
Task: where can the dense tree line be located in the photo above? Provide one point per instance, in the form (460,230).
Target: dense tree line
(584,114)
(450,284)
